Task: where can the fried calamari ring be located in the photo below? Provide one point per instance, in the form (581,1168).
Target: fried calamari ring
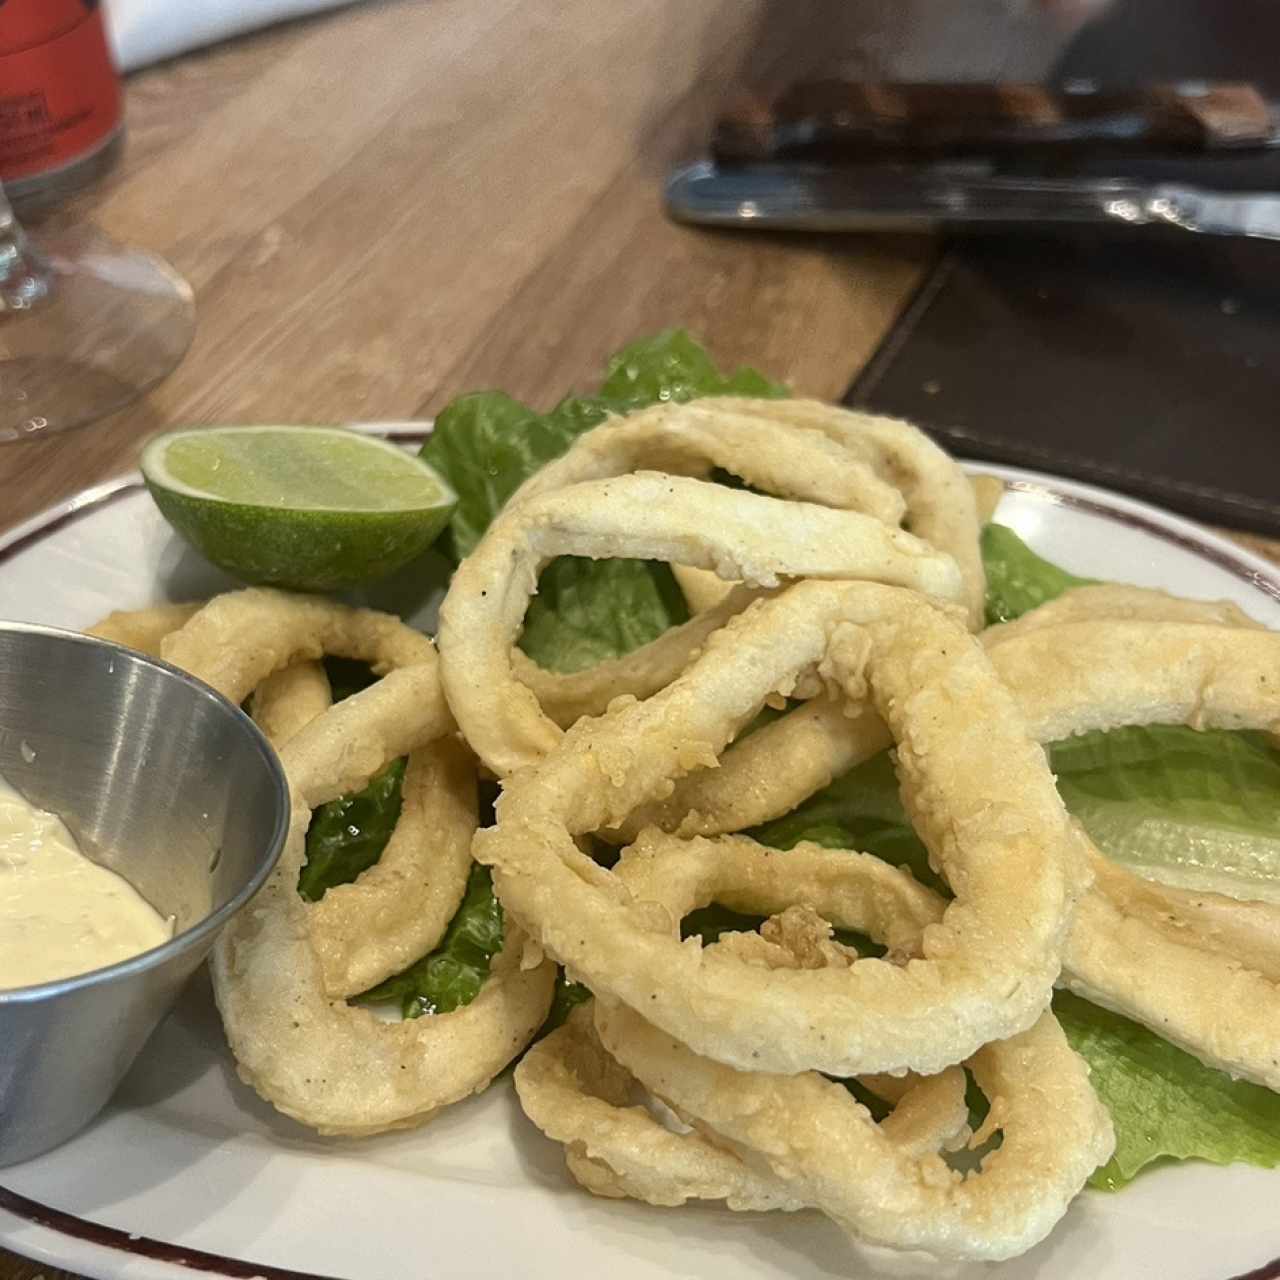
(746,537)
(824,739)
(580,1097)
(885,1183)
(693,439)
(289,700)
(703,590)
(1183,965)
(239,639)
(977,787)
(1079,676)
(1118,602)
(398,909)
(790,459)
(144,629)
(1146,658)
(813,1135)
(941,504)
(335,1067)
(820,741)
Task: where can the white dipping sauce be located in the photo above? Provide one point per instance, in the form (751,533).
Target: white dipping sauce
(60,913)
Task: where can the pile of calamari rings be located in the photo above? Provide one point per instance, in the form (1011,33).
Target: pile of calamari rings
(844,587)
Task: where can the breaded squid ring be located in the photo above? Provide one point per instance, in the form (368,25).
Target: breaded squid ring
(823,739)
(239,639)
(703,590)
(289,700)
(978,788)
(746,537)
(941,504)
(335,1067)
(790,459)
(827,1151)
(885,1183)
(693,439)
(580,1097)
(1118,602)
(398,909)
(1144,658)
(144,629)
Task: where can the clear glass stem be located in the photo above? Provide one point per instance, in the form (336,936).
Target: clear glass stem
(24,279)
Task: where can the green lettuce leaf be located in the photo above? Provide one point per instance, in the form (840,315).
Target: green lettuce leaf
(566,997)
(1017,579)
(1164,1103)
(1190,807)
(487,444)
(348,835)
(451,976)
(588,611)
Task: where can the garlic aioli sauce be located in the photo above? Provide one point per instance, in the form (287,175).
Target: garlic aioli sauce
(60,913)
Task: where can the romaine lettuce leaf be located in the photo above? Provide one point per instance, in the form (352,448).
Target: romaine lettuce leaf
(1164,1103)
(348,835)
(1017,579)
(1190,807)
(588,611)
(566,997)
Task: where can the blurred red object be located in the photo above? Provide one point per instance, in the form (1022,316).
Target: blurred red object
(60,99)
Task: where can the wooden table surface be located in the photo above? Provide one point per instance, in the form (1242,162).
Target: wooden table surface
(386,206)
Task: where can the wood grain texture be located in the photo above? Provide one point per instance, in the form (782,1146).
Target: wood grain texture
(408,199)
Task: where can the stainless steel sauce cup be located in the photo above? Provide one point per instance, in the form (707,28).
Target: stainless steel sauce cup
(160,779)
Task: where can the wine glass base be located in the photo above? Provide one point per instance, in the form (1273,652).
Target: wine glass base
(106,324)
(43,394)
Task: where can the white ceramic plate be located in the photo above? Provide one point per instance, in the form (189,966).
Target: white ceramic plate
(187,1171)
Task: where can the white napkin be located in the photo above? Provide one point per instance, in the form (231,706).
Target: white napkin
(147,30)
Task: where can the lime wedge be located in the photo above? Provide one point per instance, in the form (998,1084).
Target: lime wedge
(309,508)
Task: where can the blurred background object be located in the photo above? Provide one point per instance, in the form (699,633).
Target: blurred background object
(61,108)
(1144,363)
(1138,357)
(146,31)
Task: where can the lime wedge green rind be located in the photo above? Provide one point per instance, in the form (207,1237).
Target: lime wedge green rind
(306,508)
